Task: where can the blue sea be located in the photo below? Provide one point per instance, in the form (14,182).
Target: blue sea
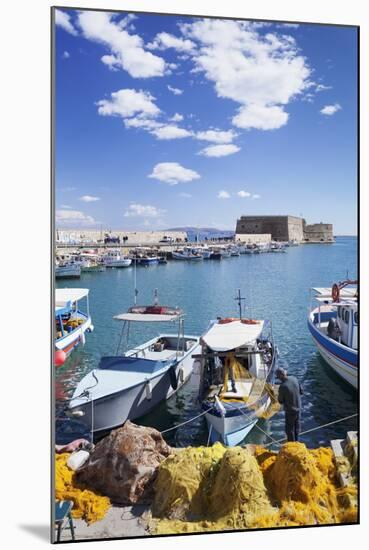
(275,287)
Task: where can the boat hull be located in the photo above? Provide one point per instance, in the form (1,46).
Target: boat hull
(118,263)
(232,428)
(110,411)
(71,340)
(341,359)
(67,273)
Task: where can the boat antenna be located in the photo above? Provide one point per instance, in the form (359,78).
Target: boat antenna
(156,297)
(239,299)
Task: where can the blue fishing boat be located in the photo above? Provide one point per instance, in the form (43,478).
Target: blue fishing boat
(333,323)
(72,319)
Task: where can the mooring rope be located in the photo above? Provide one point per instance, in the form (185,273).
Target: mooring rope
(186,422)
(279,441)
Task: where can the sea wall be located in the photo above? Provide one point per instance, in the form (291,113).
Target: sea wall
(76,236)
(250,238)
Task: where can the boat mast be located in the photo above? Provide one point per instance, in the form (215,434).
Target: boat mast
(239,299)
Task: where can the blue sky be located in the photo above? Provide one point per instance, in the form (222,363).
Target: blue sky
(165,121)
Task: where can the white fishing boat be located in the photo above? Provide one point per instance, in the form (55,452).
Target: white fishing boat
(67,270)
(204,251)
(129,385)
(114,258)
(186,253)
(225,252)
(234,251)
(93,268)
(238,360)
(72,319)
(333,322)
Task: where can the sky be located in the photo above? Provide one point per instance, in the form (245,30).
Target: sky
(168,121)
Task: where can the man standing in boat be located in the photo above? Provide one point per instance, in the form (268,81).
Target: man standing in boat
(289,396)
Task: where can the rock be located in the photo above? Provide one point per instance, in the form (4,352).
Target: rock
(124,464)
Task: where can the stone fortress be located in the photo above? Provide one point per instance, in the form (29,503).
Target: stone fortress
(284,228)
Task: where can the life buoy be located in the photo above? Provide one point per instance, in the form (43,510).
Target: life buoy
(335,293)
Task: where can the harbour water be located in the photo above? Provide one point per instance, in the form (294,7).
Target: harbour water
(275,287)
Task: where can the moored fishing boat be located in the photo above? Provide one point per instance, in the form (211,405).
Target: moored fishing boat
(113,258)
(238,361)
(333,323)
(68,270)
(186,254)
(129,385)
(72,320)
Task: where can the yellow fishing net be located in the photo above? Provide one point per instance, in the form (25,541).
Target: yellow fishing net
(86,504)
(217,489)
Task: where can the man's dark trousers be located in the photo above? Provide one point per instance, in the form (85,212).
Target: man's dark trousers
(292,419)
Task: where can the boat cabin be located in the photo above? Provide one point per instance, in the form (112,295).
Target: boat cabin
(337,315)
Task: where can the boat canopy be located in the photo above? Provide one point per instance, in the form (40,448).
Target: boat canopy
(146,317)
(326,293)
(64,297)
(232,335)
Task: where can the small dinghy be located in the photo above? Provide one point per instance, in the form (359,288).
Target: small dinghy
(129,385)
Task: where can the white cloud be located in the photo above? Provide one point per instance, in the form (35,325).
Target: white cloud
(136,210)
(68,188)
(185,195)
(256,196)
(222,150)
(217,136)
(73,217)
(223,195)
(111,61)
(289,25)
(175,91)
(66,55)
(89,198)
(176,118)
(65,206)
(62,19)
(322,87)
(170,131)
(260,72)
(261,117)
(243,194)
(127,102)
(127,49)
(138,110)
(141,122)
(331,109)
(173,173)
(164,40)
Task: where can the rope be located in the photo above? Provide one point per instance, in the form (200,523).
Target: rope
(316,428)
(186,422)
